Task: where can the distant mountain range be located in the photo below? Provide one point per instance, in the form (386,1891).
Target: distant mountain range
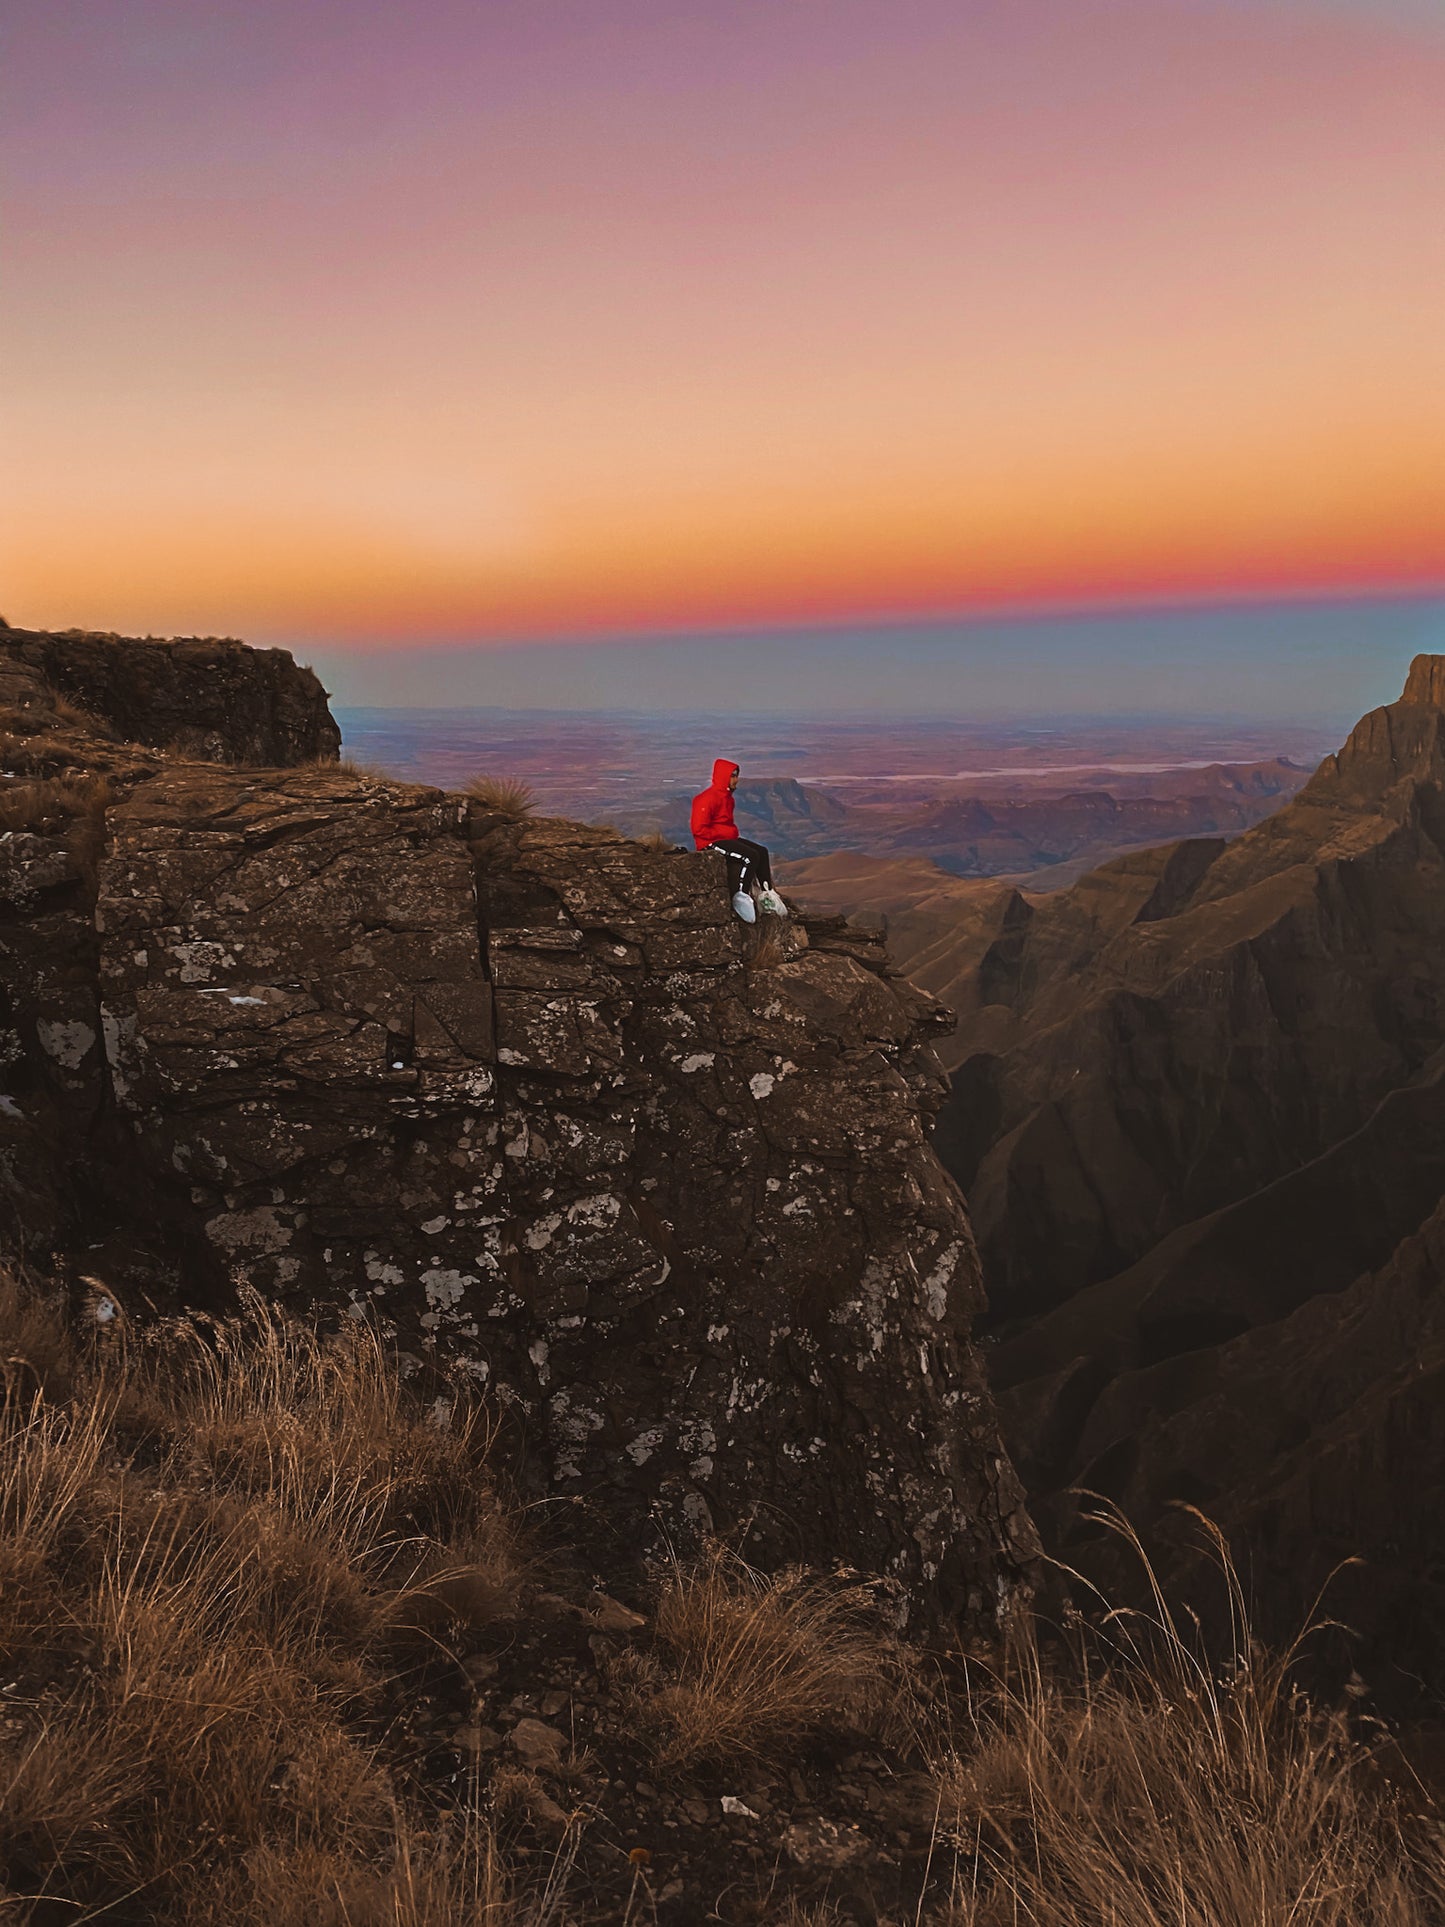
(1025,827)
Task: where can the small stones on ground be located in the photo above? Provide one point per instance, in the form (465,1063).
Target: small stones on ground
(697,1811)
(736,1809)
(553,1702)
(539,1745)
(824,1843)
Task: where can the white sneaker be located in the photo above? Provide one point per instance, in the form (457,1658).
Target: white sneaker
(772,903)
(743,904)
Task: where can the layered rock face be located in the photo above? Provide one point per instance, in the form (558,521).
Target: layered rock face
(1200,1118)
(528,1095)
(207,698)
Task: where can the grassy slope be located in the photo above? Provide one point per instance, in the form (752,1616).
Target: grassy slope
(275,1645)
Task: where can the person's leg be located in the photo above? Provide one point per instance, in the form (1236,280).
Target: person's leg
(761,862)
(740,868)
(762,867)
(740,862)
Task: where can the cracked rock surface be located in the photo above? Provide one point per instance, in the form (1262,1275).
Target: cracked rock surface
(527,1094)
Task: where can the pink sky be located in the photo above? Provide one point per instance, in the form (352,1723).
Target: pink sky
(347,322)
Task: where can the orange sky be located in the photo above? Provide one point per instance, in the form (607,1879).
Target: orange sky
(331,321)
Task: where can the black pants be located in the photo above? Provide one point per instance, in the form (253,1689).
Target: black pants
(746,860)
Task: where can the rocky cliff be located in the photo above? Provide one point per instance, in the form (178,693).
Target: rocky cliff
(526,1094)
(200,697)
(1200,1118)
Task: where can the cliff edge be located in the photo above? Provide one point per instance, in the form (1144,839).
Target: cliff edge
(527,1095)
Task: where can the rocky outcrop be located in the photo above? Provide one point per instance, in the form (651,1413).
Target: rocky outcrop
(1201,1126)
(201,697)
(526,1094)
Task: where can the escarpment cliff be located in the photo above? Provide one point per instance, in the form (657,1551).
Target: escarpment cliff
(198,696)
(527,1095)
(1200,1119)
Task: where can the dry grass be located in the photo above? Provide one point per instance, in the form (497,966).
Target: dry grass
(1149,1790)
(77,716)
(452,1877)
(767,949)
(214,1547)
(507,795)
(53,803)
(754,1666)
(222,1544)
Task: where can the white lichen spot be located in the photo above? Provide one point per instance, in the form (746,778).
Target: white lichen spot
(643,1446)
(935,1285)
(701,1060)
(433,1226)
(696,1511)
(444,1286)
(761,1084)
(200,961)
(261,1230)
(597,1212)
(68,1043)
(539,1235)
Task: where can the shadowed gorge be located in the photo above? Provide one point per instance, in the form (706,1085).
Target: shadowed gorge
(1197,1114)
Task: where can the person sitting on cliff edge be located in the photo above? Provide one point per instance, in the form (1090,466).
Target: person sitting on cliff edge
(713,828)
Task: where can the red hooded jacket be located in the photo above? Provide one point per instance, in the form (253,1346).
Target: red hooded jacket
(712,808)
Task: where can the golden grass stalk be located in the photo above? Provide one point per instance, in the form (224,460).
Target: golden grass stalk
(1149,1788)
(756,1665)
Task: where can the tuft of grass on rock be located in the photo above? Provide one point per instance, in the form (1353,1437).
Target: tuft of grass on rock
(54,803)
(751,1666)
(507,795)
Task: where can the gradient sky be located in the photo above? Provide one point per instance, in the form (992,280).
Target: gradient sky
(346,324)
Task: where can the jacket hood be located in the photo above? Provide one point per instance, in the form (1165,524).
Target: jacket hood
(723,772)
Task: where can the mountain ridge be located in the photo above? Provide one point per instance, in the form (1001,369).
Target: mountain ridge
(1200,1117)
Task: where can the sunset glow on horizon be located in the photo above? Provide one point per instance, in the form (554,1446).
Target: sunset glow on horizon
(329,321)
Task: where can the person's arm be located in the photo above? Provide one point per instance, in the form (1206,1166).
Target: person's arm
(704,818)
